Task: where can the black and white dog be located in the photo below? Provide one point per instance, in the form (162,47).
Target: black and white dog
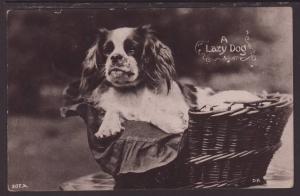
(131,75)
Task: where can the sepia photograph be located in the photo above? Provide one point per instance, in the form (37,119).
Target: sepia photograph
(130,98)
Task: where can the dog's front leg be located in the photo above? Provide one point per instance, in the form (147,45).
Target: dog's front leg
(111,125)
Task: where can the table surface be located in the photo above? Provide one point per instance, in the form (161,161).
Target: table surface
(276,178)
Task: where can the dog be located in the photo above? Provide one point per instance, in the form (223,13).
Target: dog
(130,74)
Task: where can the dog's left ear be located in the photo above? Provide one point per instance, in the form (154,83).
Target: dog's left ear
(157,59)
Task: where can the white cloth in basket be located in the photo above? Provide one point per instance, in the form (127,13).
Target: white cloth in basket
(223,99)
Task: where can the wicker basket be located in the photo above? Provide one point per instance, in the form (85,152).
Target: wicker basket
(231,148)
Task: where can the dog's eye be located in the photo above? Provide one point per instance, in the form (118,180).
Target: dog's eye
(108,48)
(130,47)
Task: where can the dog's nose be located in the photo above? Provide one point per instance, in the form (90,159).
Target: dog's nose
(116,57)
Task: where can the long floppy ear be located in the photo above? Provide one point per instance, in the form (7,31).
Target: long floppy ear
(92,68)
(157,59)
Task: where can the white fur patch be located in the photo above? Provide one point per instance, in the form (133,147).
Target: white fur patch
(118,36)
(168,112)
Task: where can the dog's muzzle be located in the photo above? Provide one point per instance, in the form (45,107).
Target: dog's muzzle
(117,72)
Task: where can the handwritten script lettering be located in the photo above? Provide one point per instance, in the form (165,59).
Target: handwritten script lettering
(226,51)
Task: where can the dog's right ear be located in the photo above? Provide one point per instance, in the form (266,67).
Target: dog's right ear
(92,66)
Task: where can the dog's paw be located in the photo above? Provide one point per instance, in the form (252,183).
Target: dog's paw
(109,128)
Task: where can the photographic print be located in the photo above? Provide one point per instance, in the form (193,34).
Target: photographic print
(150,98)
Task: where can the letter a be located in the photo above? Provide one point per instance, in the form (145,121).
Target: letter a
(224,39)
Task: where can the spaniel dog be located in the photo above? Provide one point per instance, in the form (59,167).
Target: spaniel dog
(130,73)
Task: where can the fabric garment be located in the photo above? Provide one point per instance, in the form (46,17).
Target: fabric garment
(141,147)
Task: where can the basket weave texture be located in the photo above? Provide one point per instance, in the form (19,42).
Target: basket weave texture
(228,148)
(233,148)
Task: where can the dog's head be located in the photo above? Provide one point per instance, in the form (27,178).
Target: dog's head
(126,57)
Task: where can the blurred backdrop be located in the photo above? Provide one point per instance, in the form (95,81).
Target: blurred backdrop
(46,48)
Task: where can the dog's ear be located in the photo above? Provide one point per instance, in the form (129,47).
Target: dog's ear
(157,59)
(145,30)
(92,66)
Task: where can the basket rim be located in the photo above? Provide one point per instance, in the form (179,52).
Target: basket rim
(274,100)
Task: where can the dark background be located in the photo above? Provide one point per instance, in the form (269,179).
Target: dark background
(46,48)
